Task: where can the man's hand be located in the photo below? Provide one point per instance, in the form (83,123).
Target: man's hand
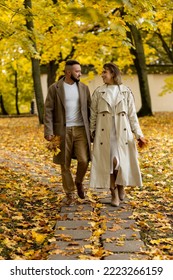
(49,137)
(54,144)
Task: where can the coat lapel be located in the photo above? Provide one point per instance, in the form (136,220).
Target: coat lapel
(81,96)
(60,91)
(107,98)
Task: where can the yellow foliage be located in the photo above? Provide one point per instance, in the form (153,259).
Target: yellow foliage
(38,237)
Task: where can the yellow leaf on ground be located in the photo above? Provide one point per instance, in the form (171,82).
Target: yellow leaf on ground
(38,237)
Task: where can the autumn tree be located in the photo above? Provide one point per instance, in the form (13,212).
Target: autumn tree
(15,66)
(16,87)
(35,61)
(160,39)
(159,42)
(122,22)
(2,107)
(137,51)
(50,32)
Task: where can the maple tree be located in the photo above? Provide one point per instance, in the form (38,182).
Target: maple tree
(89,31)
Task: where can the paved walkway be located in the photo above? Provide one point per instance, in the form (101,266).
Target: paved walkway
(91,229)
(96,230)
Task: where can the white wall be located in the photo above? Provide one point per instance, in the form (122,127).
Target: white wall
(44,85)
(156,83)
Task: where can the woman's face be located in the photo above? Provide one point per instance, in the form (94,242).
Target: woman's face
(107,77)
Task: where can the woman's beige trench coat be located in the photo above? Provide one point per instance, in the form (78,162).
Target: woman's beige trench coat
(126,123)
(55,114)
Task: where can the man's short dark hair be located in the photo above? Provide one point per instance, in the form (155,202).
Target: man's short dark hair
(71,62)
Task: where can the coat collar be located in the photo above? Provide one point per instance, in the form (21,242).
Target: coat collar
(106,96)
(60,91)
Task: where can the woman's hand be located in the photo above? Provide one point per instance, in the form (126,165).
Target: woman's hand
(142,142)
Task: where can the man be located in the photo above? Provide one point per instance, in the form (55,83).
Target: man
(67,109)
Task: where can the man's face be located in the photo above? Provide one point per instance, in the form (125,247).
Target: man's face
(76,72)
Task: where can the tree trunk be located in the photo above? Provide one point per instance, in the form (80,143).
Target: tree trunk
(35,64)
(168,48)
(38,88)
(52,67)
(17,92)
(140,64)
(4,112)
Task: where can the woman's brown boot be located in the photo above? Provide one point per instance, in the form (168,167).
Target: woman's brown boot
(121,192)
(115,198)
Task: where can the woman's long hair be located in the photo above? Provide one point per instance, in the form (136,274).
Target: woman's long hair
(115,71)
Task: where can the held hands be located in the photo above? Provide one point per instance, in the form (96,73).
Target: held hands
(92,136)
(142,142)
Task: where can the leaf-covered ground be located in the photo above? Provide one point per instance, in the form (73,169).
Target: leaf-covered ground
(31,191)
(153,205)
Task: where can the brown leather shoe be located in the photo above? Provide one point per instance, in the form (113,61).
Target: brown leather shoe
(80,190)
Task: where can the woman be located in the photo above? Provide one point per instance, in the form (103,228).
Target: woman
(112,124)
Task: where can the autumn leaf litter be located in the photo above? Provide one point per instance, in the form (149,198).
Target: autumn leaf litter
(31,192)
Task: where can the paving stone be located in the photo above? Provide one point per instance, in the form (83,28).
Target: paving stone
(107,200)
(72,224)
(119,257)
(76,208)
(75,234)
(67,216)
(85,207)
(75,216)
(129,246)
(61,257)
(122,223)
(68,209)
(120,214)
(68,246)
(127,233)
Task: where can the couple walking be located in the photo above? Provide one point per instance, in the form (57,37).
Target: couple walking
(108,118)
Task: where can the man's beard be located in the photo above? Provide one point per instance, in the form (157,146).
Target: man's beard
(74,79)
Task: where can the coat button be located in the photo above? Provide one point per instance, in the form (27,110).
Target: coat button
(103,115)
(102,129)
(125,129)
(101,143)
(122,114)
(126,143)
